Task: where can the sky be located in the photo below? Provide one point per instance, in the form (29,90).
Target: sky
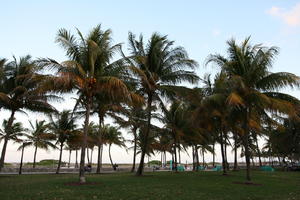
(201,27)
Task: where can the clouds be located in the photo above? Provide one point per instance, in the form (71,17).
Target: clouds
(289,17)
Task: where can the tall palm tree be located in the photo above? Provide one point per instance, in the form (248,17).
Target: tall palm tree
(156,66)
(20,92)
(88,71)
(253,87)
(62,125)
(40,137)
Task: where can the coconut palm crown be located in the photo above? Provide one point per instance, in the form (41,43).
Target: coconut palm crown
(252,88)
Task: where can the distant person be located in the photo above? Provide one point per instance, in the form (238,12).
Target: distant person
(115,166)
(88,168)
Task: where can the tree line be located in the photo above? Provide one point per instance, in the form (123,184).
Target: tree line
(242,102)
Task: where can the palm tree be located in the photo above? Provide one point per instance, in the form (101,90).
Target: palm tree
(40,137)
(20,92)
(74,143)
(17,131)
(62,124)
(104,106)
(96,137)
(132,117)
(193,117)
(88,71)
(21,148)
(111,135)
(283,140)
(253,87)
(175,124)
(157,66)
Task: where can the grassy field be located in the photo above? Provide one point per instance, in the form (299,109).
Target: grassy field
(159,185)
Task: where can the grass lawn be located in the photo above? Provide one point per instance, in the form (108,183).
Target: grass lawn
(159,185)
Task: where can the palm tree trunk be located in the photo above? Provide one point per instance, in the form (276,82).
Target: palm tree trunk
(175,158)
(161,158)
(99,158)
(92,149)
(6,138)
(3,152)
(279,161)
(197,158)
(34,157)
(193,155)
(84,142)
(60,156)
(258,152)
(101,155)
(88,155)
(203,163)
(76,158)
(21,163)
(70,152)
(235,167)
(134,148)
(101,119)
(222,153)
(145,145)
(214,155)
(165,159)
(179,156)
(111,162)
(225,153)
(246,145)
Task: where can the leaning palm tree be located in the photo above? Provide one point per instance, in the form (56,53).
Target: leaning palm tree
(88,71)
(17,131)
(20,92)
(111,135)
(40,137)
(24,144)
(253,88)
(62,125)
(156,66)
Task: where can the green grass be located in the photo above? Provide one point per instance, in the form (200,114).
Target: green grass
(159,185)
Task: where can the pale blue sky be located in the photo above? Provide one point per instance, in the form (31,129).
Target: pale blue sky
(202,27)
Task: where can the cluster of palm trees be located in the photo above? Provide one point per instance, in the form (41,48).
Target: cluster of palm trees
(242,103)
